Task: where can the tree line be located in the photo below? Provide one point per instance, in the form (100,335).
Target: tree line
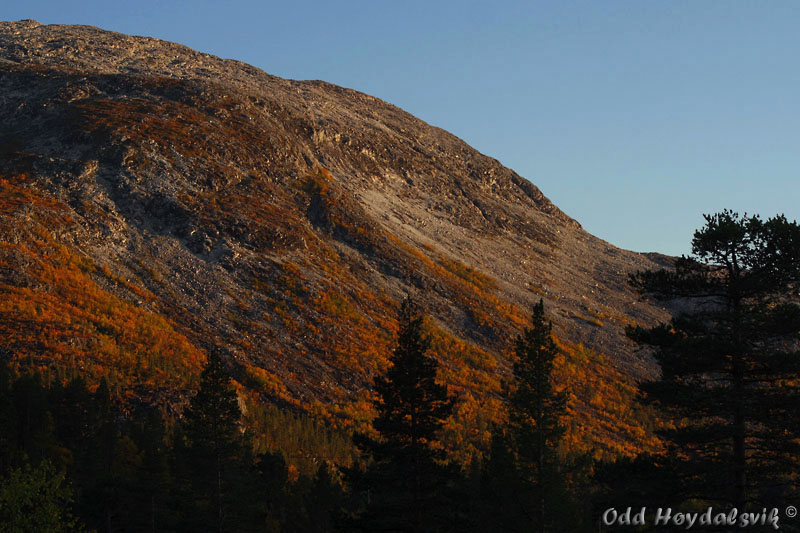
(70,460)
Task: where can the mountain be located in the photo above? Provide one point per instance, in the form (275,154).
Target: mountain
(158,203)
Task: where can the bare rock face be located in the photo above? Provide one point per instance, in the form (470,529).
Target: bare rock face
(281,221)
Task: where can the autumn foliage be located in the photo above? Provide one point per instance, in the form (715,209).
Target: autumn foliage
(58,317)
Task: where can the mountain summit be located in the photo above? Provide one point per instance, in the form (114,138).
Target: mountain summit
(158,203)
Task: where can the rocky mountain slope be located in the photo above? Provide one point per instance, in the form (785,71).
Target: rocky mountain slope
(158,203)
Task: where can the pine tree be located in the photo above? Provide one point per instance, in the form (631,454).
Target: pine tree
(104,491)
(32,432)
(730,363)
(217,457)
(534,428)
(152,481)
(500,504)
(323,501)
(8,447)
(406,481)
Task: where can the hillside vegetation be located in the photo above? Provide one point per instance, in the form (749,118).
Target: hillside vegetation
(158,204)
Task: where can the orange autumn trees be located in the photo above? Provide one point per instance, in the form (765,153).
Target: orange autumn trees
(57,318)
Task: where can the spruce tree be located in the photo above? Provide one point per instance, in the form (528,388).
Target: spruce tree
(406,482)
(729,361)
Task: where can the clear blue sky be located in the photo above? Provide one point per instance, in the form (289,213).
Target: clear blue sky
(633,117)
